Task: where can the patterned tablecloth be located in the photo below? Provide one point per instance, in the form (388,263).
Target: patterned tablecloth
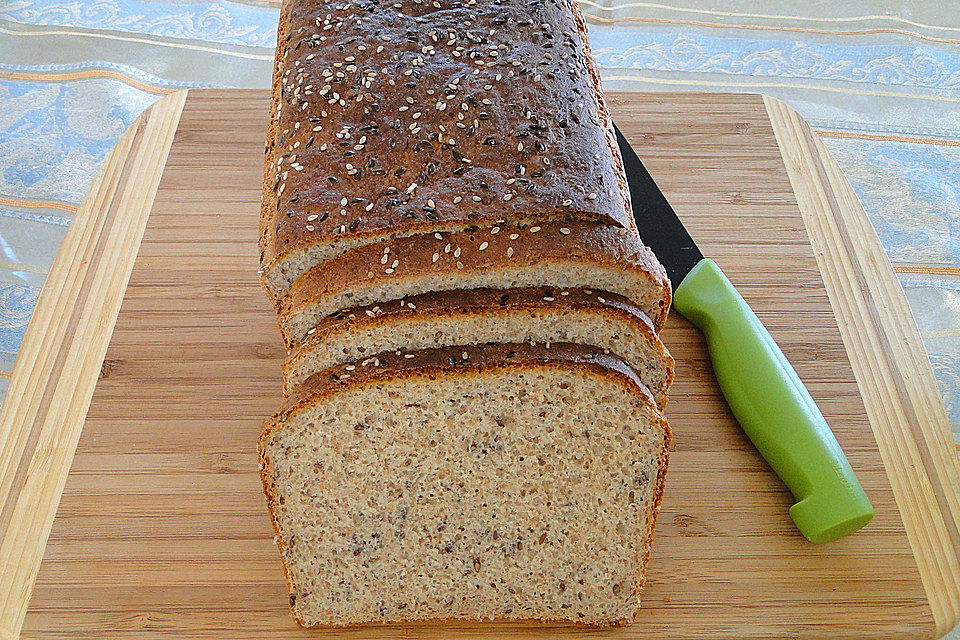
(878,79)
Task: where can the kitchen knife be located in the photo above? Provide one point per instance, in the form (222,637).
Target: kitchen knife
(763,391)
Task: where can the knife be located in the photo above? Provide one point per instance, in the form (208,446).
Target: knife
(763,391)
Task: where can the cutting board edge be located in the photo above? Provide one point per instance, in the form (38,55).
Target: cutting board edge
(911,427)
(64,345)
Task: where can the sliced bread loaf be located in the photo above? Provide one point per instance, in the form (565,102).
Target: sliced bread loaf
(475,316)
(496,481)
(552,254)
(394,119)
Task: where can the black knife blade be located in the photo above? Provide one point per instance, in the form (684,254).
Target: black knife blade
(659,225)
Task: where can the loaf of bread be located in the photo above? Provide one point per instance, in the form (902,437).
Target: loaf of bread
(392,119)
(545,315)
(494,481)
(505,256)
(472,426)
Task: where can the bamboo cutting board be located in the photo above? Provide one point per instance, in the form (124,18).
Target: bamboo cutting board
(162,532)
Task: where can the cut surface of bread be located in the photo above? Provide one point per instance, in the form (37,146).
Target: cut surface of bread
(508,256)
(418,116)
(496,481)
(475,316)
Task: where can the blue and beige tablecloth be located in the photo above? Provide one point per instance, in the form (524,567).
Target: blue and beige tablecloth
(878,79)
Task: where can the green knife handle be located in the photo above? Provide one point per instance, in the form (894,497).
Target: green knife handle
(774,408)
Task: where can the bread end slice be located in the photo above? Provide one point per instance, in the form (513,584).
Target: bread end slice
(490,482)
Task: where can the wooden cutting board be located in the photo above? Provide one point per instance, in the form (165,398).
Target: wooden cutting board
(162,532)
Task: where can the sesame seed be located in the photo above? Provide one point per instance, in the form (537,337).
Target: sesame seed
(494,231)
(459,265)
(394,264)
(446,249)
(565,231)
(343,202)
(484,245)
(438,236)
(508,196)
(509,252)
(388,271)
(310,227)
(514,236)
(436,256)
(409,355)
(350,367)
(384,259)
(457,199)
(601,300)
(567,203)
(592,196)
(456,252)
(430,204)
(548,298)
(534,229)
(369,206)
(564,293)
(477,198)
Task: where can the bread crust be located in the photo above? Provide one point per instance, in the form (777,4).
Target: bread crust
(504,247)
(465,303)
(536,140)
(460,361)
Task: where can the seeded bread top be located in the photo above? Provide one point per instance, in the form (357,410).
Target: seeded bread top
(394,118)
(460,359)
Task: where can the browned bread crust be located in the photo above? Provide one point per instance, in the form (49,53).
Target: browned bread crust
(466,303)
(401,264)
(393,119)
(459,361)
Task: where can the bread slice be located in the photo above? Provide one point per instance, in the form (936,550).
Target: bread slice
(497,481)
(508,256)
(475,316)
(409,119)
